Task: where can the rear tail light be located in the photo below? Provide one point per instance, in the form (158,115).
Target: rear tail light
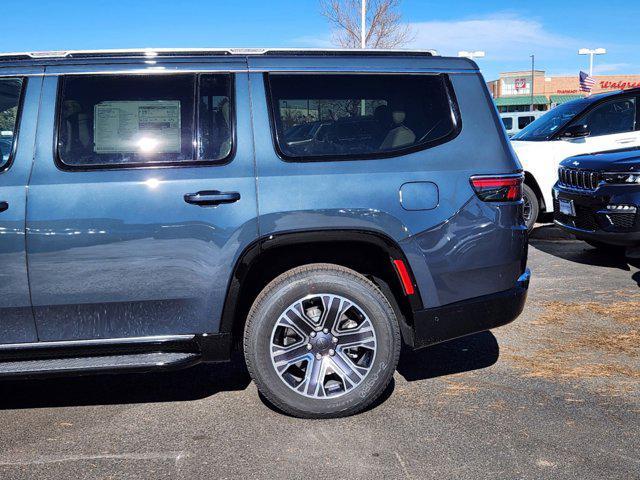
(498,188)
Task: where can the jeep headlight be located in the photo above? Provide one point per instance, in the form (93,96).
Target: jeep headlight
(621,178)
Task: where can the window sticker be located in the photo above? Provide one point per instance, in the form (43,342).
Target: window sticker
(137,126)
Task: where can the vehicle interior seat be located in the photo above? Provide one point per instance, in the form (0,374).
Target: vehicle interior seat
(400,136)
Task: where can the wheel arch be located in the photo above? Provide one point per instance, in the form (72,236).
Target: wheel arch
(368,252)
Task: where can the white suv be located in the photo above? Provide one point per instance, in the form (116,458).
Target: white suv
(609,121)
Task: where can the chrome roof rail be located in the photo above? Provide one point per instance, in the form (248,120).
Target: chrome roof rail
(154,52)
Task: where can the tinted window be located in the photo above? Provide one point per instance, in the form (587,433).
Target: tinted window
(548,124)
(10,90)
(214,117)
(143,120)
(508,122)
(523,122)
(352,115)
(616,116)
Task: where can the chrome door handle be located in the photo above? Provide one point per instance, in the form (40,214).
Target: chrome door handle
(3,206)
(209,198)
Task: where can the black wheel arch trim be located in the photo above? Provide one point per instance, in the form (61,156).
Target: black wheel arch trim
(253,251)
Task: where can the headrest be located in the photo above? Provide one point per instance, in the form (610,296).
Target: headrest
(398,117)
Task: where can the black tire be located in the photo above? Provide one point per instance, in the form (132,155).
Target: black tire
(300,283)
(607,247)
(531,207)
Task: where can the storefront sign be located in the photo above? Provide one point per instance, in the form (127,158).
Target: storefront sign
(619,85)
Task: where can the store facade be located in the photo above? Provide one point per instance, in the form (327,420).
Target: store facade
(512,91)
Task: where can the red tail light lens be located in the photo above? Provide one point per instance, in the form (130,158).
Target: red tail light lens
(498,188)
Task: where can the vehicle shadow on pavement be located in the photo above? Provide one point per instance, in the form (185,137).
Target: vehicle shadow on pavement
(472,352)
(193,383)
(468,353)
(464,354)
(550,239)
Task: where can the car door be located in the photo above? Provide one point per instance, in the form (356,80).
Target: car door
(613,125)
(19,97)
(141,198)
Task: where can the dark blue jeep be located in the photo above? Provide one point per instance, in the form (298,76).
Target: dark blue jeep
(597,198)
(316,209)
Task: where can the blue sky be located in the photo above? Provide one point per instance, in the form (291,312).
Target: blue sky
(508,31)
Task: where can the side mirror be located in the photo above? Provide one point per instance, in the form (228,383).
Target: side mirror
(576,131)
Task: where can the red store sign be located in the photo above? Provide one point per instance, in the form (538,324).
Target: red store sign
(619,85)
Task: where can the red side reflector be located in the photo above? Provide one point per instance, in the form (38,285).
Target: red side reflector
(498,188)
(407,284)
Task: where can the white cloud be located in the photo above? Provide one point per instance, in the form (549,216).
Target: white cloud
(502,36)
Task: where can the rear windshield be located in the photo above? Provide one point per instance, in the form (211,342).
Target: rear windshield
(330,116)
(10,91)
(548,124)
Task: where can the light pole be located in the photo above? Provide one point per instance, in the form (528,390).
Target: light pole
(591,53)
(363,24)
(533,73)
(471,55)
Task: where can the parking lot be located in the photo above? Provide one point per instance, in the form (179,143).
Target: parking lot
(556,394)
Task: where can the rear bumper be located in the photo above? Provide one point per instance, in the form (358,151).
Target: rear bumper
(458,319)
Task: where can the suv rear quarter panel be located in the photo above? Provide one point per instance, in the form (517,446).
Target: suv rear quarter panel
(460,239)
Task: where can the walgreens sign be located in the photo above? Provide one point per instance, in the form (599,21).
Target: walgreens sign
(618,85)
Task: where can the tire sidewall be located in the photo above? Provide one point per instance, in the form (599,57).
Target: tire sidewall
(284,294)
(535,206)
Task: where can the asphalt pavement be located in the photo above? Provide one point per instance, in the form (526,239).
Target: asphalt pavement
(555,395)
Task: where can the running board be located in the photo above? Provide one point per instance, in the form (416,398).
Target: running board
(135,362)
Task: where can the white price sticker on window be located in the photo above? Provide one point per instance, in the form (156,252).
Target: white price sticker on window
(151,126)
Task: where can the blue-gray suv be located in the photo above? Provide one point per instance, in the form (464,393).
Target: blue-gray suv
(317,210)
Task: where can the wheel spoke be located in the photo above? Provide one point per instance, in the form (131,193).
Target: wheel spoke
(284,358)
(355,338)
(333,308)
(294,318)
(346,368)
(314,377)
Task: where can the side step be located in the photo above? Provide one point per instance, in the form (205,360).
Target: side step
(137,362)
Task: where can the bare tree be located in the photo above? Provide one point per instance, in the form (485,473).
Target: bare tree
(384,27)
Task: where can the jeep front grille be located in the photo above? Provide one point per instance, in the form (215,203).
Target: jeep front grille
(580,179)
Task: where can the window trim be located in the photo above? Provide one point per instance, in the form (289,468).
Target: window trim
(453,103)
(16,129)
(194,162)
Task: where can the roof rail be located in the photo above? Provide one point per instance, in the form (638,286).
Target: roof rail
(155,52)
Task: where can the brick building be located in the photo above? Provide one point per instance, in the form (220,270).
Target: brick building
(512,91)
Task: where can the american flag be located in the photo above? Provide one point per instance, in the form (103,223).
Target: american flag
(587,82)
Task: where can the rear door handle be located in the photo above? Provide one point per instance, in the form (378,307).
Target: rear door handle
(209,198)
(3,206)
(626,140)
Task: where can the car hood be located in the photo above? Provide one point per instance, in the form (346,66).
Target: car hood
(627,160)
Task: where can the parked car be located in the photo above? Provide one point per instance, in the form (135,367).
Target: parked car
(514,122)
(170,218)
(597,123)
(597,198)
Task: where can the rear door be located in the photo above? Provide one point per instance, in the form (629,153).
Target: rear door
(141,198)
(19,96)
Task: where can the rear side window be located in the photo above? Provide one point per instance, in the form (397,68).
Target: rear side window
(328,116)
(119,121)
(10,96)
(508,122)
